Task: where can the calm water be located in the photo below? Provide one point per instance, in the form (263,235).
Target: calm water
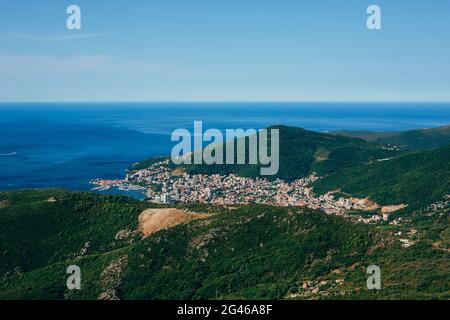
(66,145)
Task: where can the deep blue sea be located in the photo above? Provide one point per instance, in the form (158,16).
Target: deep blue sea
(46,145)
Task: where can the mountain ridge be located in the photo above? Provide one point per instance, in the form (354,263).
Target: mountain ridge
(411,140)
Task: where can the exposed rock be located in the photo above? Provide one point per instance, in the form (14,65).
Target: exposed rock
(111,278)
(4,204)
(109,294)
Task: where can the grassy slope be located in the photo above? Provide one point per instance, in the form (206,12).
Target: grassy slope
(415,179)
(252,252)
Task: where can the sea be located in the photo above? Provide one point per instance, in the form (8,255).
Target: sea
(65,145)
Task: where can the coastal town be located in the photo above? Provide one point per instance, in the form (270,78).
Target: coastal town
(165,185)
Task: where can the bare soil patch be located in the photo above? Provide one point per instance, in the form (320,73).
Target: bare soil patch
(393,208)
(178,172)
(154,220)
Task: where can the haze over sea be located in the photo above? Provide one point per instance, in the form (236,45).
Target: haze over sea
(65,145)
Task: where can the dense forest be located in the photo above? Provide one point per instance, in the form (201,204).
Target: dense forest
(415,179)
(248,252)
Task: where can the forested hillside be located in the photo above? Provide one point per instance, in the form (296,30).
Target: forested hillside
(415,179)
(250,252)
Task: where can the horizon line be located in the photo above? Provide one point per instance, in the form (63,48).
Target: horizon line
(227,101)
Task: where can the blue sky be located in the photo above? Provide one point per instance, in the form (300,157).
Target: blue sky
(224,50)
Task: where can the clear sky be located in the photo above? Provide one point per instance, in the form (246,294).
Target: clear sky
(224,50)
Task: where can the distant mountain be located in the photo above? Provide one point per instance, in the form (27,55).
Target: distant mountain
(370,136)
(413,140)
(415,179)
(248,252)
(301,153)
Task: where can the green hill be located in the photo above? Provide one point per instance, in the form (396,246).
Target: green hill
(415,179)
(413,140)
(250,252)
(301,153)
(39,228)
(423,139)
